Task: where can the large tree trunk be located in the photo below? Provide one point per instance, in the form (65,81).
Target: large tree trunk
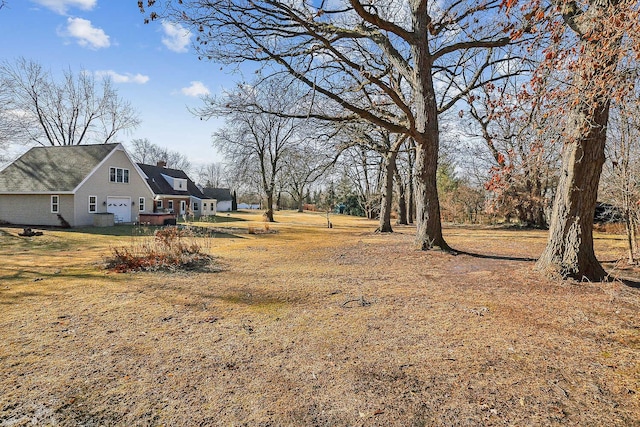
(569,250)
(429,227)
(387,195)
(426,138)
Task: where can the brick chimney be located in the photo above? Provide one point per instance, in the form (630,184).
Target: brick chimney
(162,164)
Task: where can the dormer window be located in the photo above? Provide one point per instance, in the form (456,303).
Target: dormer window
(178,184)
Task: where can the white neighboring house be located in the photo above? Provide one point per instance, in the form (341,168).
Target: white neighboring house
(49,186)
(222,196)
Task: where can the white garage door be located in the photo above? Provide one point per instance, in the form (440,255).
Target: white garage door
(120,207)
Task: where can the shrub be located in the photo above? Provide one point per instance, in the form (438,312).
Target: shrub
(264,229)
(169,249)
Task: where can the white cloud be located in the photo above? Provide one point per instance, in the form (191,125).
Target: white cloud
(176,37)
(196,89)
(86,34)
(61,6)
(123,78)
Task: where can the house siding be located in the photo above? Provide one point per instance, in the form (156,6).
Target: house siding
(223,206)
(98,184)
(210,209)
(201,211)
(35,209)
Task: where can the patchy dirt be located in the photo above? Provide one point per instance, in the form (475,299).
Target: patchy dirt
(320,327)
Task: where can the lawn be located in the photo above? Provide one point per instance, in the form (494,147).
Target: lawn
(308,326)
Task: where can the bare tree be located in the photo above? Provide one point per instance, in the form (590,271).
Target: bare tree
(387,145)
(395,64)
(142,150)
(211,175)
(364,168)
(8,126)
(255,141)
(75,110)
(303,167)
(621,173)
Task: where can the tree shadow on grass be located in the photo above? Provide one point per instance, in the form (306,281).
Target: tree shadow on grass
(631,283)
(496,257)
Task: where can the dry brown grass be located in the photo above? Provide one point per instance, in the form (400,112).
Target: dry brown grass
(269,341)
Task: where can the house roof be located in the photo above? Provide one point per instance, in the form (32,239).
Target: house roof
(220,194)
(53,169)
(159,185)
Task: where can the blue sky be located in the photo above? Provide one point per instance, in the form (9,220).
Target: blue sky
(153,66)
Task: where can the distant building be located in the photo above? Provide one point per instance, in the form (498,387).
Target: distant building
(223,197)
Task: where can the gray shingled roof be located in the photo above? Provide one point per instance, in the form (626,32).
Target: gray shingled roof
(159,185)
(220,194)
(52,169)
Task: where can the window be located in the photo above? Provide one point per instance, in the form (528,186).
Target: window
(179,184)
(93,204)
(204,206)
(170,204)
(119,175)
(55,204)
(159,204)
(141,204)
(195,206)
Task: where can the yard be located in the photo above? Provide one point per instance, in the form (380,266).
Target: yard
(314,326)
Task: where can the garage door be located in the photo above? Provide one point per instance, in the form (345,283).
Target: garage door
(120,207)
